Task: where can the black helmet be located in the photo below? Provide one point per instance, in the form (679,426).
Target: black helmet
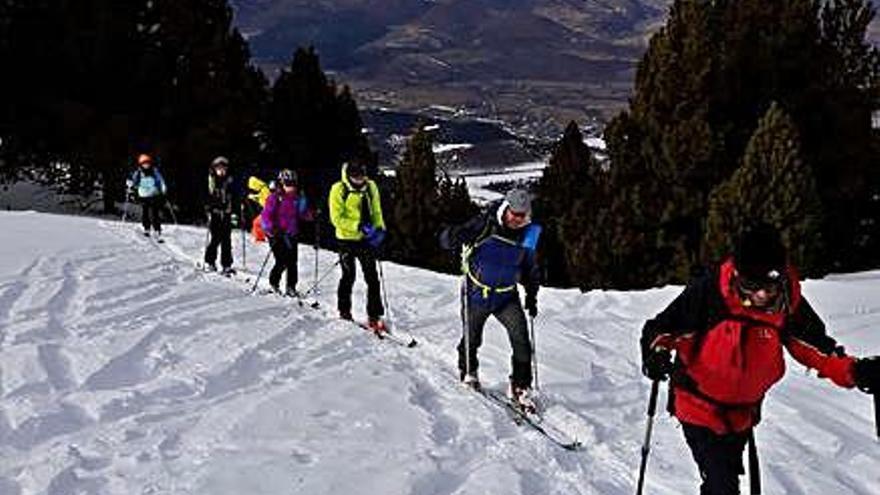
(287,177)
(760,256)
(355,169)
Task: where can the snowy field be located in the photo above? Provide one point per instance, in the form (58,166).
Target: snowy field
(478,181)
(124,371)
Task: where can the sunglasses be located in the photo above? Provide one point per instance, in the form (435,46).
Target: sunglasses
(752,286)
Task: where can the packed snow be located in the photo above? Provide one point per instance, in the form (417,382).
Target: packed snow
(124,370)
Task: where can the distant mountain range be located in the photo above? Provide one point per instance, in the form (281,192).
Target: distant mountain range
(532,63)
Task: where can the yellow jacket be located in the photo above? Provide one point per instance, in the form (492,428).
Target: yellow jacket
(345,208)
(259,191)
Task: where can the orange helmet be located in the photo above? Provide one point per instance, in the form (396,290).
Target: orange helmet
(144,158)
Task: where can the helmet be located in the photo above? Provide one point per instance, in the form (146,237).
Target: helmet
(518,201)
(144,158)
(760,255)
(220,161)
(355,169)
(287,177)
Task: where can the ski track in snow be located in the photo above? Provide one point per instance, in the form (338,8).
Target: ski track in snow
(125,370)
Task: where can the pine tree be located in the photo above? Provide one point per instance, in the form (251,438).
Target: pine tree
(567,189)
(423,203)
(701,89)
(417,206)
(313,125)
(773,185)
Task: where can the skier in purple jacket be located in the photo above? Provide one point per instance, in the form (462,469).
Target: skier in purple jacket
(281,216)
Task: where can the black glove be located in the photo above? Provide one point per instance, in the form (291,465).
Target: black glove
(532,304)
(867,374)
(657,364)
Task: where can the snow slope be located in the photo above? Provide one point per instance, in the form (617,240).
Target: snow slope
(122,371)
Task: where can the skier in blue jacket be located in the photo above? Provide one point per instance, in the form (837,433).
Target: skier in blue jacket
(498,252)
(148,186)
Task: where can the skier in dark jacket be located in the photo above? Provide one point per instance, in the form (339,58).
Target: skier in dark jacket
(727,330)
(148,186)
(498,251)
(221,219)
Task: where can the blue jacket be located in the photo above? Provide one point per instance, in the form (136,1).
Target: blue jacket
(495,258)
(148,183)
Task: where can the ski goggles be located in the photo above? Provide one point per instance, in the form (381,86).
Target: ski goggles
(750,286)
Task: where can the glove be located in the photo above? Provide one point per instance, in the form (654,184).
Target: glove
(233,221)
(368,230)
(376,237)
(657,364)
(532,304)
(866,371)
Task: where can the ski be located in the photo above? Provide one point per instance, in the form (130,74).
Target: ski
(533,421)
(305,301)
(400,339)
(202,268)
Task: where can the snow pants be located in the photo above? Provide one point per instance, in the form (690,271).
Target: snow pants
(285,250)
(360,251)
(719,458)
(512,316)
(150,212)
(221,236)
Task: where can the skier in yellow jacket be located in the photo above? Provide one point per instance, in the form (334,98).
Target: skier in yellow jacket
(356,214)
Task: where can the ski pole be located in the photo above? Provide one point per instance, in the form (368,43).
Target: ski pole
(534,350)
(241,225)
(260,275)
(317,226)
(877,412)
(207,229)
(171,209)
(646,447)
(314,287)
(125,208)
(466,325)
(384,292)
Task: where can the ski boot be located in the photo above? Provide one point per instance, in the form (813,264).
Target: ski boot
(521,397)
(470,380)
(378,327)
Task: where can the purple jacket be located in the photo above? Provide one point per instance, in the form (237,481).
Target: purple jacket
(283,212)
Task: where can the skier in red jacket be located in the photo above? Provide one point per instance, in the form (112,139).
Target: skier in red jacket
(727,330)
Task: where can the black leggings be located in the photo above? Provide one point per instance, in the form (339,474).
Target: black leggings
(150,215)
(348,253)
(284,248)
(221,235)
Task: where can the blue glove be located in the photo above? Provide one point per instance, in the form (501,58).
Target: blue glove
(368,230)
(376,237)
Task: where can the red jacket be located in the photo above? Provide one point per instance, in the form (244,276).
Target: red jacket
(729,355)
